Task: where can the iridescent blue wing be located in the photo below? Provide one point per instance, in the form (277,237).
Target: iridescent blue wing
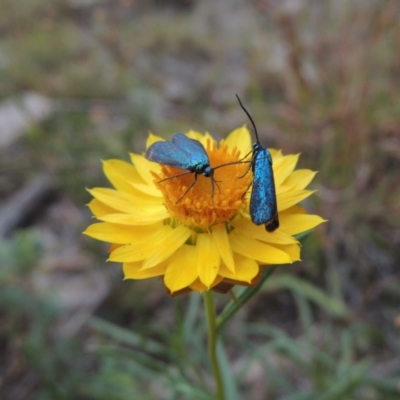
(168,153)
(263,207)
(198,154)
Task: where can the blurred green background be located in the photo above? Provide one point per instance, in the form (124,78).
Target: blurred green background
(85,80)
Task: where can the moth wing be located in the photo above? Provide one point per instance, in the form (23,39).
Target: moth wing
(263,206)
(168,153)
(198,154)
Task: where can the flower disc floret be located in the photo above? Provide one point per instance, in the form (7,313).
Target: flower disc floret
(210,200)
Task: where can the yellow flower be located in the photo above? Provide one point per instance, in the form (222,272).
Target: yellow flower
(200,242)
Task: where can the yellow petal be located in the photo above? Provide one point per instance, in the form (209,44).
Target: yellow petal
(300,178)
(275,154)
(291,198)
(134,270)
(204,139)
(143,247)
(150,190)
(283,167)
(241,139)
(220,236)
(297,223)
(99,209)
(144,167)
(132,252)
(195,135)
(142,216)
(167,244)
(152,139)
(251,248)
(120,234)
(198,286)
(246,269)
(125,178)
(208,258)
(283,188)
(294,210)
(181,271)
(246,227)
(118,200)
(292,250)
(120,173)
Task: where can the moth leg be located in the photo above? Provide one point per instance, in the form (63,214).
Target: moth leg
(193,183)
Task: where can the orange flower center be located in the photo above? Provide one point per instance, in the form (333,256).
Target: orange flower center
(202,206)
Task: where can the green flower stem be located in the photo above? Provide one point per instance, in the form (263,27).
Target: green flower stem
(244,296)
(212,342)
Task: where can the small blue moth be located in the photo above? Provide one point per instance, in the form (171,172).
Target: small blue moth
(263,207)
(183,153)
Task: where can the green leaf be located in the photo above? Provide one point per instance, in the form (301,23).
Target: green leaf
(242,296)
(345,384)
(231,392)
(127,337)
(332,305)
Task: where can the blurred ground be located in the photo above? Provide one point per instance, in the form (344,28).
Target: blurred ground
(85,80)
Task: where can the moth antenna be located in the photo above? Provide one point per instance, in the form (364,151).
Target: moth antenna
(251,119)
